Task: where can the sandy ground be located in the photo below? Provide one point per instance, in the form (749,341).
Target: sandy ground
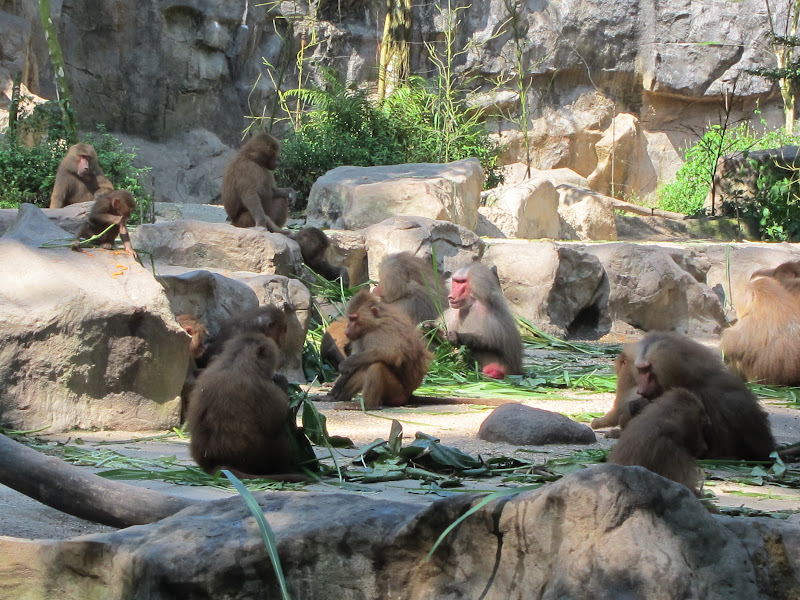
(454,425)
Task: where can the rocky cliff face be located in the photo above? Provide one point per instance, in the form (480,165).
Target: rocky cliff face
(156,69)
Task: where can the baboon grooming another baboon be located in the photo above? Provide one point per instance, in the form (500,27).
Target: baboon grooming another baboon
(738,429)
(666,438)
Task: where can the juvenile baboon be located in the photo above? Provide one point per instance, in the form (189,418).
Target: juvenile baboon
(197,348)
(666,438)
(388,358)
(112,208)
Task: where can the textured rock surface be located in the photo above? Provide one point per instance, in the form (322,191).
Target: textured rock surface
(88,339)
(604,532)
(596,69)
(357,197)
(528,209)
(454,246)
(559,288)
(195,244)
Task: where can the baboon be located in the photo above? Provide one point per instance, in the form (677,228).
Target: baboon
(249,194)
(197,348)
(237,417)
(314,246)
(662,361)
(411,284)
(479,318)
(78,177)
(110,208)
(666,438)
(764,344)
(388,358)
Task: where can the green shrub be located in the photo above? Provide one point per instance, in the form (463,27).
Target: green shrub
(693,180)
(27,174)
(776,207)
(345,127)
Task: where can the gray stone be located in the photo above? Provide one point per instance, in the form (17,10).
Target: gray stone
(185,169)
(357,197)
(604,532)
(453,246)
(197,245)
(650,290)
(528,209)
(514,423)
(585,215)
(560,288)
(88,338)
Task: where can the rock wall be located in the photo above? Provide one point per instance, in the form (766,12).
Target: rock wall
(647,71)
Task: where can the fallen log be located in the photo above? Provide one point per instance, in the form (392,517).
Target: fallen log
(73,490)
(579,192)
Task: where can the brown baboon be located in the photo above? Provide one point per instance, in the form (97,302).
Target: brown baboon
(237,417)
(249,194)
(764,344)
(411,284)
(662,361)
(110,208)
(666,438)
(78,177)
(479,318)
(197,348)
(314,246)
(388,358)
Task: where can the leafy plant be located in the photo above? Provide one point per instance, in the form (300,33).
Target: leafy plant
(345,127)
(27,173)
(693,180)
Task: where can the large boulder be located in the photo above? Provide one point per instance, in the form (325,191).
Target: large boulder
(559,288)
(88,338)
(585,215)
(357,197)
(604,532)
(452,245)
(186,168)
(70,218)
(655,289)
(524,210)
(197,245)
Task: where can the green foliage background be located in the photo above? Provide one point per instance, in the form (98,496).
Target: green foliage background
(343,126)
(27,173)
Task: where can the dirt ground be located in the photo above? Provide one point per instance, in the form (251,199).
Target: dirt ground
(455,425)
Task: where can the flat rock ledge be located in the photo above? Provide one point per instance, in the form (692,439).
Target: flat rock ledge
(604,532)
